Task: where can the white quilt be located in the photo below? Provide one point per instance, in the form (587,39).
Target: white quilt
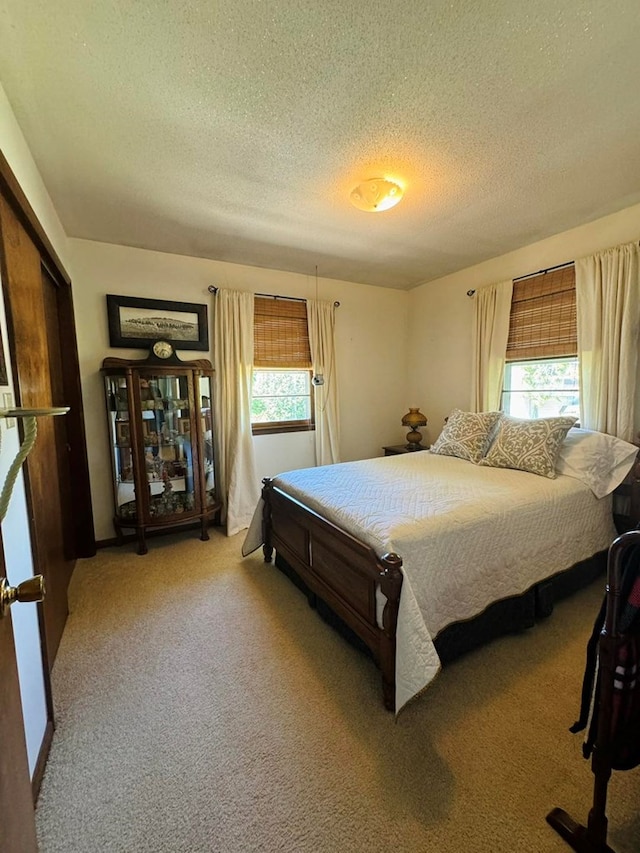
(468,536)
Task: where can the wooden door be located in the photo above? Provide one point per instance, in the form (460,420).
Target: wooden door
(38,341)
(17,820)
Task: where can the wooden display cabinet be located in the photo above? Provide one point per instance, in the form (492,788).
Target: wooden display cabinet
(161,444)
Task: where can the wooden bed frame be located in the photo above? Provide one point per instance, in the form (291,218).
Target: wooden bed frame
(344,573)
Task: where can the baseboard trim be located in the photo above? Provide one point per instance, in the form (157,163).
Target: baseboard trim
(41,763)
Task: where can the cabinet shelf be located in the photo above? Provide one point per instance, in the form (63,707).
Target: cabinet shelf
(164,470)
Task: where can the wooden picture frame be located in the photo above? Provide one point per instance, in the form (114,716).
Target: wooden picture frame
(136,323)
(123,434)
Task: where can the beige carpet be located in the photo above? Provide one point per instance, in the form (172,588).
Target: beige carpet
(202,706)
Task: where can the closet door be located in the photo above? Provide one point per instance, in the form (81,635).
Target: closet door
(39,337)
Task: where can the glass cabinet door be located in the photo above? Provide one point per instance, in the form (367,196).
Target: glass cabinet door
(165,409)
(206,428)
(121,446)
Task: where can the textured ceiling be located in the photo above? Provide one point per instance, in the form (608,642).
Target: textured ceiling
(236,129)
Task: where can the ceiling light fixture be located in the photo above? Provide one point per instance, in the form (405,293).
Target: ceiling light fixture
(376,195)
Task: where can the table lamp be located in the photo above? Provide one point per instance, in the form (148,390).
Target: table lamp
(414,419)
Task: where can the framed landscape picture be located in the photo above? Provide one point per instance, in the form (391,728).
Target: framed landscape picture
(138,322)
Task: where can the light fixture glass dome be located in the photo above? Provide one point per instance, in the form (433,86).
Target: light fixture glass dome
(376,195)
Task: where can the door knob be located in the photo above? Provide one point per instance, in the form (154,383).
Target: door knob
(30,590)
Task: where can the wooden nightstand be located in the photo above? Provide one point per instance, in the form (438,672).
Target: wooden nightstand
(394,449)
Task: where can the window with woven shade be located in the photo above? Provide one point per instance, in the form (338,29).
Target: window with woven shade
(541,370)
(543,316)
(281,400)
(281,335)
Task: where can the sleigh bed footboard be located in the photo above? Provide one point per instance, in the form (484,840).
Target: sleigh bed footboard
(360,587)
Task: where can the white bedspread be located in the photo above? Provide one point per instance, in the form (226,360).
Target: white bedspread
(468,536)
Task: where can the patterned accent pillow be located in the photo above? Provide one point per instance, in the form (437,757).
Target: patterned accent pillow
(466,435)
(528,445)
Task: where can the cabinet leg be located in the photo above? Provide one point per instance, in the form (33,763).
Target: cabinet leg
(204,533)
(142,544)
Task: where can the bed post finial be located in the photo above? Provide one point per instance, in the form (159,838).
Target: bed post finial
(390,586)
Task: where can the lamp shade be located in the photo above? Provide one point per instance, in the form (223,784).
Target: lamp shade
(414,418)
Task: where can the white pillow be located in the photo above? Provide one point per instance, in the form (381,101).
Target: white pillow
(599,460)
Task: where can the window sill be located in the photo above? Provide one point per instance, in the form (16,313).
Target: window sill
(271,429)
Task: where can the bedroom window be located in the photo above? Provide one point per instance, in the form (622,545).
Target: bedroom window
(541,389)
(541,371)
(282,399)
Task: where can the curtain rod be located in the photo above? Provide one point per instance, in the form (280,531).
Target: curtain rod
(544,272)
(213,289)
(533,274)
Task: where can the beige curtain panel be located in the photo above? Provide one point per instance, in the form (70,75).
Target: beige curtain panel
(608,312)
(238,488)
(321,320)
(492,308)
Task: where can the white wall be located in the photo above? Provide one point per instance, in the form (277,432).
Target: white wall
(441,314)
(16,151)
(15,527)
(372,355)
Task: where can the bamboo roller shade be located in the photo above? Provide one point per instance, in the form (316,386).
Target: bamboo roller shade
(281,334)
(543,316)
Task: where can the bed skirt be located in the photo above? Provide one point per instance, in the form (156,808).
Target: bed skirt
(509,616)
